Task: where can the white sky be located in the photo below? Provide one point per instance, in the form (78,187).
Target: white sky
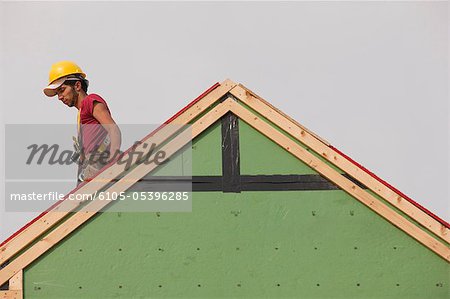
(369,77)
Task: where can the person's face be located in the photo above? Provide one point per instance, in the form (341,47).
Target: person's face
(68,94)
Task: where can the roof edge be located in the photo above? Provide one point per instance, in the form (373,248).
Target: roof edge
(214,86)
(431,214)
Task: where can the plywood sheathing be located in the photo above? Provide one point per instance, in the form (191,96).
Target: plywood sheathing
(30,233)
(323,148)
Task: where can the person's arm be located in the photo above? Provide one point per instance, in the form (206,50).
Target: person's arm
(101,113)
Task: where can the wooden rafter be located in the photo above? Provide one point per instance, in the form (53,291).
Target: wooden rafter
(34,231)
(16,282)
(65,228)
(344,183)
(39,227)
(11,294)
(321,147)
(272,110)
(15,287)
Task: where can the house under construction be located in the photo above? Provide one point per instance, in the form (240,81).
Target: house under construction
(276,212)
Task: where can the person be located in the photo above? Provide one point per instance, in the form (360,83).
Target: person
(99,137)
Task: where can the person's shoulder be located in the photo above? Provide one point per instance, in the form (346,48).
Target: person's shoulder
(94,96)
(89,103)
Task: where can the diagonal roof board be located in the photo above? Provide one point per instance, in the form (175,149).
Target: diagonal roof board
(49,218)
(107,166)
(336,157)
(269,114)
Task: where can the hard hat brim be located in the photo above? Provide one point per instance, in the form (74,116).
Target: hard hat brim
(50,90)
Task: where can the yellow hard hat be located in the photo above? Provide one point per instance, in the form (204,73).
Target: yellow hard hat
(58,72)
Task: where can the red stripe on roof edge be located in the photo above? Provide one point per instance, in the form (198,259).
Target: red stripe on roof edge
(110,164)
(40,215)
(435,217)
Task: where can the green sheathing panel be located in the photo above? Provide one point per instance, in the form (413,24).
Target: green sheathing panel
(204,159)
(207,152)
(302,244)
(248,135)
(260,155)
(173,167)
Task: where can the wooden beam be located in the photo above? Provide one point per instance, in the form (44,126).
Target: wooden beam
(69,225)
(322,148)
(241,89)
(16,282)
(16,286)
(11,294)
(36,229)
(344,183)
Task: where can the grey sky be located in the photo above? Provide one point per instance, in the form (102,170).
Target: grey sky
(369,77)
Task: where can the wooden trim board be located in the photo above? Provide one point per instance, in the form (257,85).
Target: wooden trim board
(36,229)
(126,182)
(300,133)
(15,287)
(11,294)
(344,183)
(322,148)
(16,282)
(238,90)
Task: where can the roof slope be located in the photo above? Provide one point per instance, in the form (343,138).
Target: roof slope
(394,206)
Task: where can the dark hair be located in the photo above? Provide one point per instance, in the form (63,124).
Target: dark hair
(84,83)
